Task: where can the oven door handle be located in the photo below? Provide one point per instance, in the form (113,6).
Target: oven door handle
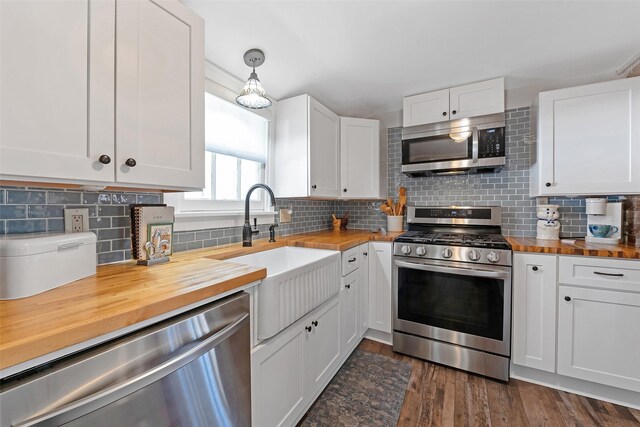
(454,270)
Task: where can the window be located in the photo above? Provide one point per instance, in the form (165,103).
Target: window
(236,144)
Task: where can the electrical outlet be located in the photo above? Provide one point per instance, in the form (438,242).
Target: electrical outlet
(285,215)
(76,220)
(542,200)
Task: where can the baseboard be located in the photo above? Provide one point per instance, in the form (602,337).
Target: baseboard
(573,385)
(376,335)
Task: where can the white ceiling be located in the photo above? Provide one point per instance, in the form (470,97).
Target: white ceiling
(360,58)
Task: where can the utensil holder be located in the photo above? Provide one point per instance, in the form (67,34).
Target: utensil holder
(394,222)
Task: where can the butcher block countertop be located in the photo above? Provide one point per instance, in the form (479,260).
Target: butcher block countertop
(580,247)
(121,295)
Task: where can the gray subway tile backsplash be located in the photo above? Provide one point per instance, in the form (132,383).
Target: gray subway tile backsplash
(26,210)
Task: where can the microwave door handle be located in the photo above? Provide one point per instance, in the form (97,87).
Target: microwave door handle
(474,144)
(454,270)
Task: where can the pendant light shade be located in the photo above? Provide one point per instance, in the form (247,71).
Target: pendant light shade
(253,95)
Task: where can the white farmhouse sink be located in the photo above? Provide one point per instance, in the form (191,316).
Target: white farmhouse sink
(298,280)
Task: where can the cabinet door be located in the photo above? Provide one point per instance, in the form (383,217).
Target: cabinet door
(56,97)
(363,291)
(349,311)
(425,108)
(159,94)
(380,286)
(477,99)
(534,311)
(324,151)
(277,377)
(589,139)
(360,158)
(598,336)
(323,346)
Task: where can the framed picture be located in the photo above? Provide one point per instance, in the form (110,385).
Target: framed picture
(158,232)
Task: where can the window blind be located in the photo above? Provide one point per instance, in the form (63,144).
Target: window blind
(234,131)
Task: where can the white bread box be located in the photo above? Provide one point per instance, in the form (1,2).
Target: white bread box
(34,263)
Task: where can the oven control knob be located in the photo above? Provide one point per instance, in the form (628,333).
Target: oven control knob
(447,253)
(473,255)
(405,250)
(420,250)
(493,256)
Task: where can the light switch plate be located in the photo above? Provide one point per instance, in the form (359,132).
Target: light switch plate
(542,200)
(285,215)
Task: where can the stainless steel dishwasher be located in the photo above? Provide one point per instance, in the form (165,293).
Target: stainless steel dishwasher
(190,370)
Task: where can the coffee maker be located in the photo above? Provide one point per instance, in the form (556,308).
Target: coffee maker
(604,221)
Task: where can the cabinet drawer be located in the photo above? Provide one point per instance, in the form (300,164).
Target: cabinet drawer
(613,274)
(350,260)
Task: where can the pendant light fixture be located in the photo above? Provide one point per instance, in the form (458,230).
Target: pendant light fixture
(253,95)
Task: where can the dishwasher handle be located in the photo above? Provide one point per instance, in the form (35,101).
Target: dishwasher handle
(109,395)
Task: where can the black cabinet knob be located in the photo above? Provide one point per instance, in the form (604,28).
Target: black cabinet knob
(104,159)
(548,184)
(314,186)
(365,253)
(347,286)
(308,328)
(130,162)
(567,298)
(534,268)
(315,323)
(453,112)
(344,190)
(444,113)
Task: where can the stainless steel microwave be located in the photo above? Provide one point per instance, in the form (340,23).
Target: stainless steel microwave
(475,144)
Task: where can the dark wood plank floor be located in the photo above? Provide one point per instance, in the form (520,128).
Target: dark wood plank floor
(441,396)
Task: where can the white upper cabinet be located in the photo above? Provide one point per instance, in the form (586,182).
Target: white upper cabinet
(49,125)
(588,140)
(307,149)
(87,87)
(159,94)
(361,173)
(425,108)
(475,99)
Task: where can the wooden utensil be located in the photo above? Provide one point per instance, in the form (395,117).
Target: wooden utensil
(391,205)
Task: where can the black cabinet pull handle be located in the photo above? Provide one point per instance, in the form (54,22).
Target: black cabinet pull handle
(352,260)
(308,328)
(130,162)
(567,298)
(104,159)
(608,274)
(315,323)
(314,186)
(534,268)
(344,190)
(453,112)
(444,113)
(347,286)
(548,184)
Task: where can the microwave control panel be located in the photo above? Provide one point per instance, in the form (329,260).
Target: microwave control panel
(491,143)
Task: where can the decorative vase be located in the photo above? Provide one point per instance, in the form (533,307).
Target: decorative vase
(394,222)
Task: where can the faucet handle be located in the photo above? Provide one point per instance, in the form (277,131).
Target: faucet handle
(255,222)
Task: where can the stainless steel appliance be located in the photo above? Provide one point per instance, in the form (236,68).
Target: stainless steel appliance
(191,370)
(452,289)
(474,144)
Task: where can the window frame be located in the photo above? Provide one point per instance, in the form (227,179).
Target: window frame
(190,216)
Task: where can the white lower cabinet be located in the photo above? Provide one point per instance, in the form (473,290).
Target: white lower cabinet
(289,370)
(351,287)
(598,338)
(534,311)
(363,291)
(380,286)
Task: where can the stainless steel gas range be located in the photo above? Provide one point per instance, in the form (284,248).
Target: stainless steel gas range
(452,289)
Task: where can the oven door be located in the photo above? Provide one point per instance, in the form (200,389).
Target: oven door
(458,303)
